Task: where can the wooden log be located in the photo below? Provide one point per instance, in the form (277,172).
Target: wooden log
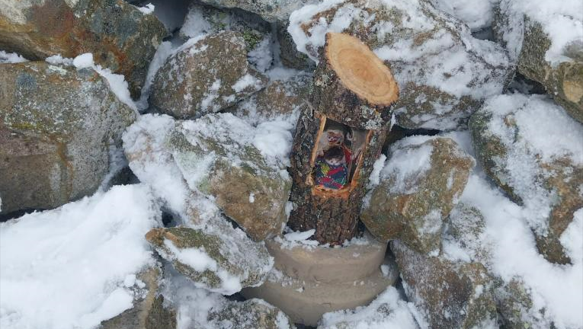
(352,85)
(354,88)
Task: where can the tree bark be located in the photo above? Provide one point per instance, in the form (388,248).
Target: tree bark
(352,86)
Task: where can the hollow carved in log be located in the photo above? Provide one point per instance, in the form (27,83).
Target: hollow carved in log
(352,95)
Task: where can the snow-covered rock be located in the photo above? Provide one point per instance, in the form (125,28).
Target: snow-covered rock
(464,235)
(76,266)
(280,100)
(120,36)
(223,262)
(477,14)
(250,314)
(59,130)
(222,156)
(532,149)
(545,39)
(205,75)
(544,292)
(442,71)
(289,55)
(415,191)
(388,310)
(149,311)
(447,294)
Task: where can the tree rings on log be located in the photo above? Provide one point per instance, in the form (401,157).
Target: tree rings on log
(352,85)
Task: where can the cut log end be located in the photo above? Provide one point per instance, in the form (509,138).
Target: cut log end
(360,70)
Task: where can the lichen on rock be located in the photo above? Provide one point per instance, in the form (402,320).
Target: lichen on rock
(417,189)
(58,128)
(121,37)
(205,75)
(530,148)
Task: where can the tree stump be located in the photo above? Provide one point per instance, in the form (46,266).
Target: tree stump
(351,98)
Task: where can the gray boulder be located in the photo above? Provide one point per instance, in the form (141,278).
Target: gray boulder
(221,261)
(417,189)
(281,99)
(531,149)
(120,36)
(443,72)
(560,73)
(447,294)
(218,158)
(58,128)
(205,75)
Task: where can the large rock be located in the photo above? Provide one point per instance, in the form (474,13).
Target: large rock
(531,148)
(204,19)
(148,311)
(447,294)
(218,157)
(465,231)
(120,36)
(58,126)
(417,189)
(205,75)
(250,314)
(516,307)
(443,72)
(545,42)
(218,262)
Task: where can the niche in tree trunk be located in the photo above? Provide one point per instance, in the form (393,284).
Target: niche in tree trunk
(339,137)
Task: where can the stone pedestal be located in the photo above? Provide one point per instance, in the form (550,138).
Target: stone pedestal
(308,281)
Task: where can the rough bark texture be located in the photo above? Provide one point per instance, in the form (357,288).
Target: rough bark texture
(331,98)
(353,87)
(334,218)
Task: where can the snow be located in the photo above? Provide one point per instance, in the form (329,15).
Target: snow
(200,261)
(388,310)
(555,290)
(407,165)
(541,133)
(292,239)
(195,24)
(83,61)
(375,175)
(8,58)
(67,268)
(562,21)
(147,137)
(245,82)
(477,14)
(117,83)
(147,9)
